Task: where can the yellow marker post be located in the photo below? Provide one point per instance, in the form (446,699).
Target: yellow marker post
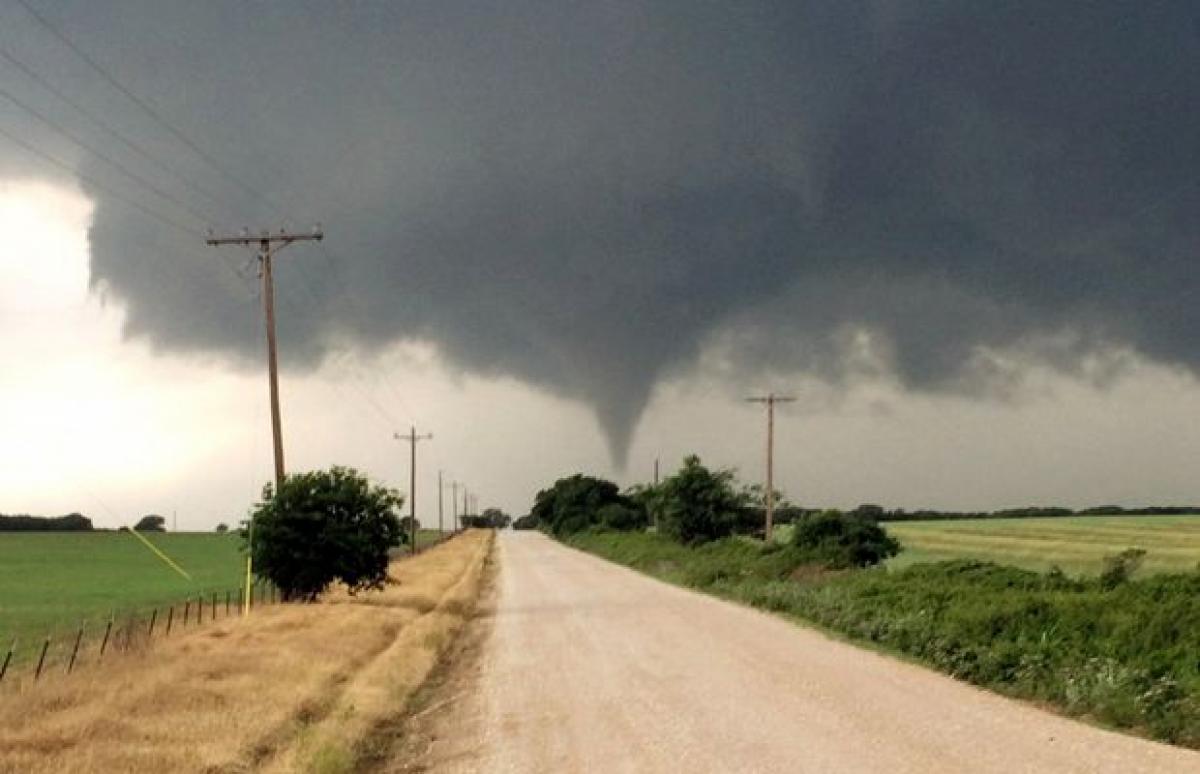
(249,565)
(160,554)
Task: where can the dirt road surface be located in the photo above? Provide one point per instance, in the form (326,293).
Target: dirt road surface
(590,667)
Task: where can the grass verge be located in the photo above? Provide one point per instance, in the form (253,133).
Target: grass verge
(1128,657)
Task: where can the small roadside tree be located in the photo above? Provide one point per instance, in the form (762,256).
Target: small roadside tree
(325,526)
(222,528)
(699,505)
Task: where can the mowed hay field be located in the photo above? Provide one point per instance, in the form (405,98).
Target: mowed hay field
(1077,544)
(294,687)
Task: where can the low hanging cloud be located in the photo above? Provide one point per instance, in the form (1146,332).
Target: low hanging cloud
(583,196)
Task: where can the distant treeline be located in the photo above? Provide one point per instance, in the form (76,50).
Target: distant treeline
(72,522)
(1032,512)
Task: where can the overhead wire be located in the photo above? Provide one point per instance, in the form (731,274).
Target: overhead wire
(112,131)
(84,145)
(135,99)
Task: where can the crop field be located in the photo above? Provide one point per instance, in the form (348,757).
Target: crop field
(1077,544)
(50,582)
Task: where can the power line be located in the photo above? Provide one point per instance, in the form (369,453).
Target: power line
(67,167)
(201,217)
(141,103)
(107,127)
(93,181)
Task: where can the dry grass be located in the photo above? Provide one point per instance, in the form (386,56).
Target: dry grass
(293,688)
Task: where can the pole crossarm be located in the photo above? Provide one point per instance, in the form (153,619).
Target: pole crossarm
(281,237)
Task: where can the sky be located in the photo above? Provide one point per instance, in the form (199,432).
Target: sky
(574,237)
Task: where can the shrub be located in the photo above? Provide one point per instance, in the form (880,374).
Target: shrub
(1119,568)
(325,526)
(622,517)
(840,540)
(699,505)
(575,503)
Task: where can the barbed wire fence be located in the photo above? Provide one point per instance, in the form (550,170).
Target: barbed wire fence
(63,651)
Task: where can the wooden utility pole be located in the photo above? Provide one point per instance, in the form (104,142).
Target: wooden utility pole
(771,399)
(268,244)
(412,439)
(454,504)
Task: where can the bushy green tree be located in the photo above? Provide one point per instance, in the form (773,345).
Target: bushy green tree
(528,521)
(325,526)
(575,503)
(843,539)
(699,505)
(222,528)
(151,523)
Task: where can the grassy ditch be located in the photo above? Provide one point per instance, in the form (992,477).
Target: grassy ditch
(1128,657)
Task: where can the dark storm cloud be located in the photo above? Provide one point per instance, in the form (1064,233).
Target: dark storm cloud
(582,195)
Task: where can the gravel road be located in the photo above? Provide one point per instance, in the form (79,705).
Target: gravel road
(590,667)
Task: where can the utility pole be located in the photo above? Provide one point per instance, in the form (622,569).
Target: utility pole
(440,486)
(412,439)
(771,399)
(656,471)
(268,244)
(454,503)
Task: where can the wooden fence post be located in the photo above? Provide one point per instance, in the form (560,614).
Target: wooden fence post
(75,650)
(42,658)
(153,618)
(187,607)
(226,603)
(107,633)
(7,659)
(213,617)
(170,618)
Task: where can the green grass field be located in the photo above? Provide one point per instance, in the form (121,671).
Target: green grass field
(1077,544)
(50,582)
